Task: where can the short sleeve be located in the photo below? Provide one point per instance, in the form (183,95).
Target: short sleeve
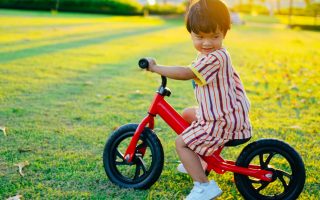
(205,69)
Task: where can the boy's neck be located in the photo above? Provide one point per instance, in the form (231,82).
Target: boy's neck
(200,55)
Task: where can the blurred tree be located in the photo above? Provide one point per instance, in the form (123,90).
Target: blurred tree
(314,7)
(278,7)
(250,4)
(57,5)
(307,2)
(290,12)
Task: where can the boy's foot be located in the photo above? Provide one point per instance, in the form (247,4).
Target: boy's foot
(204,191)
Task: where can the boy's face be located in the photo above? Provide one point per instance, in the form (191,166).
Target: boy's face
(206,43)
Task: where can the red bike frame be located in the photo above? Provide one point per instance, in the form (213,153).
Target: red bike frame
(215,162)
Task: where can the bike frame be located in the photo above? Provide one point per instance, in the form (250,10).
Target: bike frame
(215,162)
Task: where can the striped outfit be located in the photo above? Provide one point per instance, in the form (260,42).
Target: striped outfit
(223,107)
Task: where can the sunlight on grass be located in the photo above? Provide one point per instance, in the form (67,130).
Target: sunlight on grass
(38,70)
(302,20)
(48,30)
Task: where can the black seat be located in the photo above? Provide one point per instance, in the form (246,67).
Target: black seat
(237,142)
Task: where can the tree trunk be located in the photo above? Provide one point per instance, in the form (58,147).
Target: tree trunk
(278,6)
(57,5)
(290,12)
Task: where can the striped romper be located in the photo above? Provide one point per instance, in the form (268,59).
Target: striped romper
(223,107)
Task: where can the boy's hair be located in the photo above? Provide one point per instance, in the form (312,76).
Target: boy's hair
(208,15)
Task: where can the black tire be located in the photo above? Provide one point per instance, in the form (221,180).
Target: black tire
(277,156)
(128,175)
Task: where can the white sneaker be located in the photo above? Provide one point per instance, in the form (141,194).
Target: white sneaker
(181,168)
(201,191)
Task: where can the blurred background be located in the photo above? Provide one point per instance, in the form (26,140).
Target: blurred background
(164,7)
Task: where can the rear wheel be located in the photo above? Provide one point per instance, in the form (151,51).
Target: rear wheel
(147,163)
(280,158)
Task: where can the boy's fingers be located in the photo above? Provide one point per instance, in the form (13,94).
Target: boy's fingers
(151,60)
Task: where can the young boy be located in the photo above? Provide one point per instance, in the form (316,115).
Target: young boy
(223,107)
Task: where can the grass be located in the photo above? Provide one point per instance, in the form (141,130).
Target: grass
(67,81)
(283,19)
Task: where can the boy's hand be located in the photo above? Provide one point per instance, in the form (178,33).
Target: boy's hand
(152,64)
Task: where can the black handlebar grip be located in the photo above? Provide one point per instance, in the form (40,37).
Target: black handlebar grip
(143,63)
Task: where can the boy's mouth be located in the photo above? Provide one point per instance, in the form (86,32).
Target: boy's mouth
(207,50)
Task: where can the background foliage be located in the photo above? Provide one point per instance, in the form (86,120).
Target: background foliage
(132,7)
(124,7)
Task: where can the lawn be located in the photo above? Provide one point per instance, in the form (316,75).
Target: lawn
(68,80)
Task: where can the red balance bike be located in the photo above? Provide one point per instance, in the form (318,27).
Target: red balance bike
(265,169)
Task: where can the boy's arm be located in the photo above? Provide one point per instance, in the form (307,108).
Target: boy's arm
(173,72)
(178,73)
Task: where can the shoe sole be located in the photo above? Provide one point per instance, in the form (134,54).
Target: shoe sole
(218,195)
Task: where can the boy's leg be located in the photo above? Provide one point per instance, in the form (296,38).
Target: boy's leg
(190,161)
(202,189)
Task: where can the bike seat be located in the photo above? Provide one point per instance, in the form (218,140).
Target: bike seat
(236,142)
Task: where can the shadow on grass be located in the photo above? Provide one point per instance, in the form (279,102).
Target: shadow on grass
(305,27)
(30,52)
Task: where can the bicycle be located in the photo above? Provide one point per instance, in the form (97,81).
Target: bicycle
(133,156)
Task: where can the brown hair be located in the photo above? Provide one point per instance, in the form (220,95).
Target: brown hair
(208,15)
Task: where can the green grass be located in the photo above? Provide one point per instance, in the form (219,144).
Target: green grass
(67,81)
(283,19)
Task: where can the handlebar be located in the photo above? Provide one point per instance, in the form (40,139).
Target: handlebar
(163,81)
(144,64)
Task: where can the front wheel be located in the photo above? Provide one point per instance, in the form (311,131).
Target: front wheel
(147,163)
(286,164)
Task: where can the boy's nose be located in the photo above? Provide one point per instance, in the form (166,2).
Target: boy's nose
(207,42)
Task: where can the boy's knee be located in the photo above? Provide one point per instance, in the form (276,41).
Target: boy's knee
(189,115)
(185,113)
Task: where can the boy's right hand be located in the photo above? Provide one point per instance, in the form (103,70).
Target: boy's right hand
(152,64)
